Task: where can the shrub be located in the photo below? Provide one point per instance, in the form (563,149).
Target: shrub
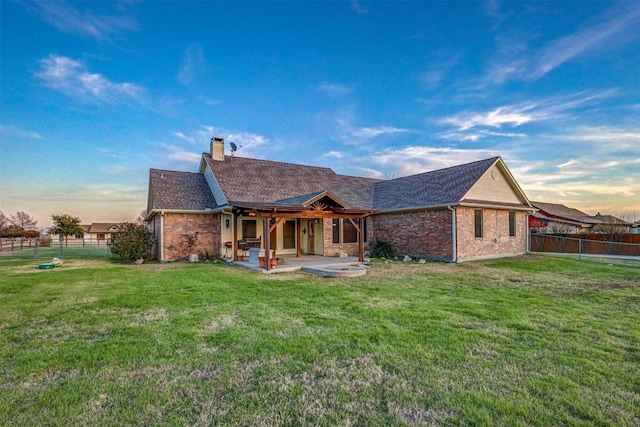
(382,249)
(131,242)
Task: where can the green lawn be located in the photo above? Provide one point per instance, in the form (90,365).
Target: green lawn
(524,341)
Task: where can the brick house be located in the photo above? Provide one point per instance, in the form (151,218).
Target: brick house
(465,212)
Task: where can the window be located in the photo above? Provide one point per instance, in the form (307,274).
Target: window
(512,224)
(100,236)
(289,235)
(249,229)
(478,223)
(349,232)
(336,230)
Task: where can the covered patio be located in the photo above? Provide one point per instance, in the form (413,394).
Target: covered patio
(319,206)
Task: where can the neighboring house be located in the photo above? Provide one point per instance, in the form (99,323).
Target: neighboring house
(471,211)
(102,231)
(95,232)
(554,218)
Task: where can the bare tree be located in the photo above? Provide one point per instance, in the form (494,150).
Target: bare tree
(613,234)
(560,231)
(23,220)
(4,220)
(142,217)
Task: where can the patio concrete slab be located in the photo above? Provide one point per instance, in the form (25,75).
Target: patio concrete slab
(293,263)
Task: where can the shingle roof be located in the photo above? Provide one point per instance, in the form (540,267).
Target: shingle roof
(102,227)
(561,211)
(439,187)
(252,180)
(180,190)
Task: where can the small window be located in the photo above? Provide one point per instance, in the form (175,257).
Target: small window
(349,232)
(478,223)
(512,224)
(289,235)
(249,229)
(336,230)
(100,236)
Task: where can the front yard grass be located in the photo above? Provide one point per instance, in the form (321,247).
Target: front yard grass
(532,340)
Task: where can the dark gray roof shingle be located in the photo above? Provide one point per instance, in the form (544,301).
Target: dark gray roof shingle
(180,190)
(252,180)
(436,188)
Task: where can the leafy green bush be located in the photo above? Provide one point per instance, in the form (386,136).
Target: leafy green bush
(382,249)
(131,242)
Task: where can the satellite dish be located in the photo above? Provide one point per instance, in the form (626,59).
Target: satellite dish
(234,148)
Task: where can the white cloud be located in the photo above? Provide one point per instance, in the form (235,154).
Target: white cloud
(515,115)
(71,78)
(181,155)
(9,130)
(193,63)
(334,89)
(66,18)
(566,48)
(348,133)
(515,59)
(358,7)
(417,159)
(333,154)
(496,118)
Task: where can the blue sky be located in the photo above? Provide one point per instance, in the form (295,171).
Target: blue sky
(94,94)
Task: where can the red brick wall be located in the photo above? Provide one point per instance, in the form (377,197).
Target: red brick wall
(177,226)
(495,226)
(419,234)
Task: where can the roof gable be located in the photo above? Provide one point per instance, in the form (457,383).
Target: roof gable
(262,181)
(322,198)
(497,184)
(179,191)
(435,188)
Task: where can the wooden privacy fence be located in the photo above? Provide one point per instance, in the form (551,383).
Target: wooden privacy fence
(591,244)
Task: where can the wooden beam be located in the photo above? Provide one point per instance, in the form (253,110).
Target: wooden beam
(298,238)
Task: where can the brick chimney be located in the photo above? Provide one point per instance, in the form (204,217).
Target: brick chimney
(217,148)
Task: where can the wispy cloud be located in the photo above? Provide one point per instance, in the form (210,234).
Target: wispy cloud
(333,154)
(566,48)
(250,142)
(72,78)
(475,125)
(357,6)
(437,71)
(334,89)
(179,154)
(193,63)
(66,18)
(496,118)
(10,130)
(349,133)
(417,159)
(516,60)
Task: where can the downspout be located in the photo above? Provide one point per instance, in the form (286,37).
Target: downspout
(161,248)
(454,252)
(528,238)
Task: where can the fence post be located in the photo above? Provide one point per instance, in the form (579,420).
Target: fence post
(579,249)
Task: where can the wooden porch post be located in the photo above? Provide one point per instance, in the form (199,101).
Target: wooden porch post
(299,238)
(267,241)
(361,241)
